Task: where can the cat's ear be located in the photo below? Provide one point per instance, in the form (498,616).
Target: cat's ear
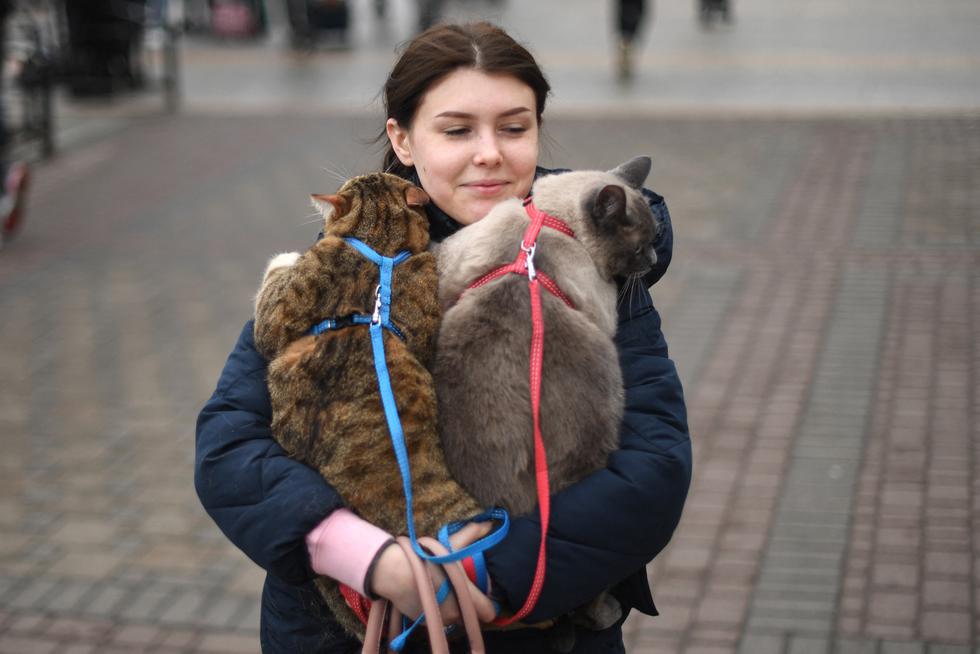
(634,172)
(418,225)
(416,197)
(609,206)
(330,205)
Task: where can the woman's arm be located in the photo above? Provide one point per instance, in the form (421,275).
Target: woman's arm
(281,513)
(263,501)
(615,521)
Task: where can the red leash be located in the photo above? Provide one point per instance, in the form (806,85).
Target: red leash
(524,265)
(360,605)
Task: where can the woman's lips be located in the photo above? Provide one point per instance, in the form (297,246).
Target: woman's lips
(488,187)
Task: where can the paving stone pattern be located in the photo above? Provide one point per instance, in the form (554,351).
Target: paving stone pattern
(822,308)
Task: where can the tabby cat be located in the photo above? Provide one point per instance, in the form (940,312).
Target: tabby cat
(481,368)
(325,401)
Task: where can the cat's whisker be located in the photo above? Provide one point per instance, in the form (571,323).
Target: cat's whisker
(335,173)
(313,217)
(628,294)
(636,291)
(632,291)
(639,285)
(623,290)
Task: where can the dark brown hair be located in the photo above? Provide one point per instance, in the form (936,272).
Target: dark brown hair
(440,50)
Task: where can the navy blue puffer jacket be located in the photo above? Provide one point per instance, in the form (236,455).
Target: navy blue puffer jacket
(604,529)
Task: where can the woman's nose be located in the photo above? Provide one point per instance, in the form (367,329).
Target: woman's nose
(488,152)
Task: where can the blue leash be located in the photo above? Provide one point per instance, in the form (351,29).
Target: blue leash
(377,322)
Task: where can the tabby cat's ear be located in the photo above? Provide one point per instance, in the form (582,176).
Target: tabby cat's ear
(634,172)
(416,197)
(609,207)
(330,205)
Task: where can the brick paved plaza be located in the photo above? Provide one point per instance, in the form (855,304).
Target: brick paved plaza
(822,307)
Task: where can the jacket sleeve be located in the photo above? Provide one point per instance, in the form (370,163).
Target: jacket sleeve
(612,523)
(262,500)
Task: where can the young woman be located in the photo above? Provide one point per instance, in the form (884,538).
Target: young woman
(464,107)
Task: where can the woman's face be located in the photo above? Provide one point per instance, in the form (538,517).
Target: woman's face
(473,142)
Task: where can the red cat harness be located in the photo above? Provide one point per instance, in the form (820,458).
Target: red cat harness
(524,265)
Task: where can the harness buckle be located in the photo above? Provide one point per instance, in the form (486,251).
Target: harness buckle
(376,316)
(529,251)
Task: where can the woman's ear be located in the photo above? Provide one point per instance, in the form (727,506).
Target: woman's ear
(399,141)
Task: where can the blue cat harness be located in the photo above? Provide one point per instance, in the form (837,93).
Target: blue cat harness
(377,322)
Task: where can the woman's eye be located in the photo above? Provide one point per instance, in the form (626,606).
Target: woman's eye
(456,131)
(515,129)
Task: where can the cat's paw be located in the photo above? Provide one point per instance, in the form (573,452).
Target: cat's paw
(605,611)
(283,260)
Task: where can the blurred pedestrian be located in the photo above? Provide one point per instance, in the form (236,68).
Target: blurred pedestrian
(311,21)
(629,17)
(14,175)
(464,105)
(238,18)
(105,37)
(708,10)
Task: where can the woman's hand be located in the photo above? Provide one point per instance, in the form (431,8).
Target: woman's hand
(392,576)
(392,579)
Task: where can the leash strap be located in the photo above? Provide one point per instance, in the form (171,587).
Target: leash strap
(401,455)
(476,569)
(398,643)
(524,265)
(546,218)
(360,605)
(520,265)
(382,316)
(377,322)
(540,454)
(331,324)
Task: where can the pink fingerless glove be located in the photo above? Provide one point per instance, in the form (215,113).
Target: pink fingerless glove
(344,547)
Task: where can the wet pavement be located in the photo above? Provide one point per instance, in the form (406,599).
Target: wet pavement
(822,307)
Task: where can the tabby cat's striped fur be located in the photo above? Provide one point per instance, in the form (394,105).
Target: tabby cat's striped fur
(326,408)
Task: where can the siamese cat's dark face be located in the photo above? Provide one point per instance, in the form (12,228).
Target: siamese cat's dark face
(626,229)
(609,213)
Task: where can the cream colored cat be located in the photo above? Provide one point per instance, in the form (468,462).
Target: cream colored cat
(481,368)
